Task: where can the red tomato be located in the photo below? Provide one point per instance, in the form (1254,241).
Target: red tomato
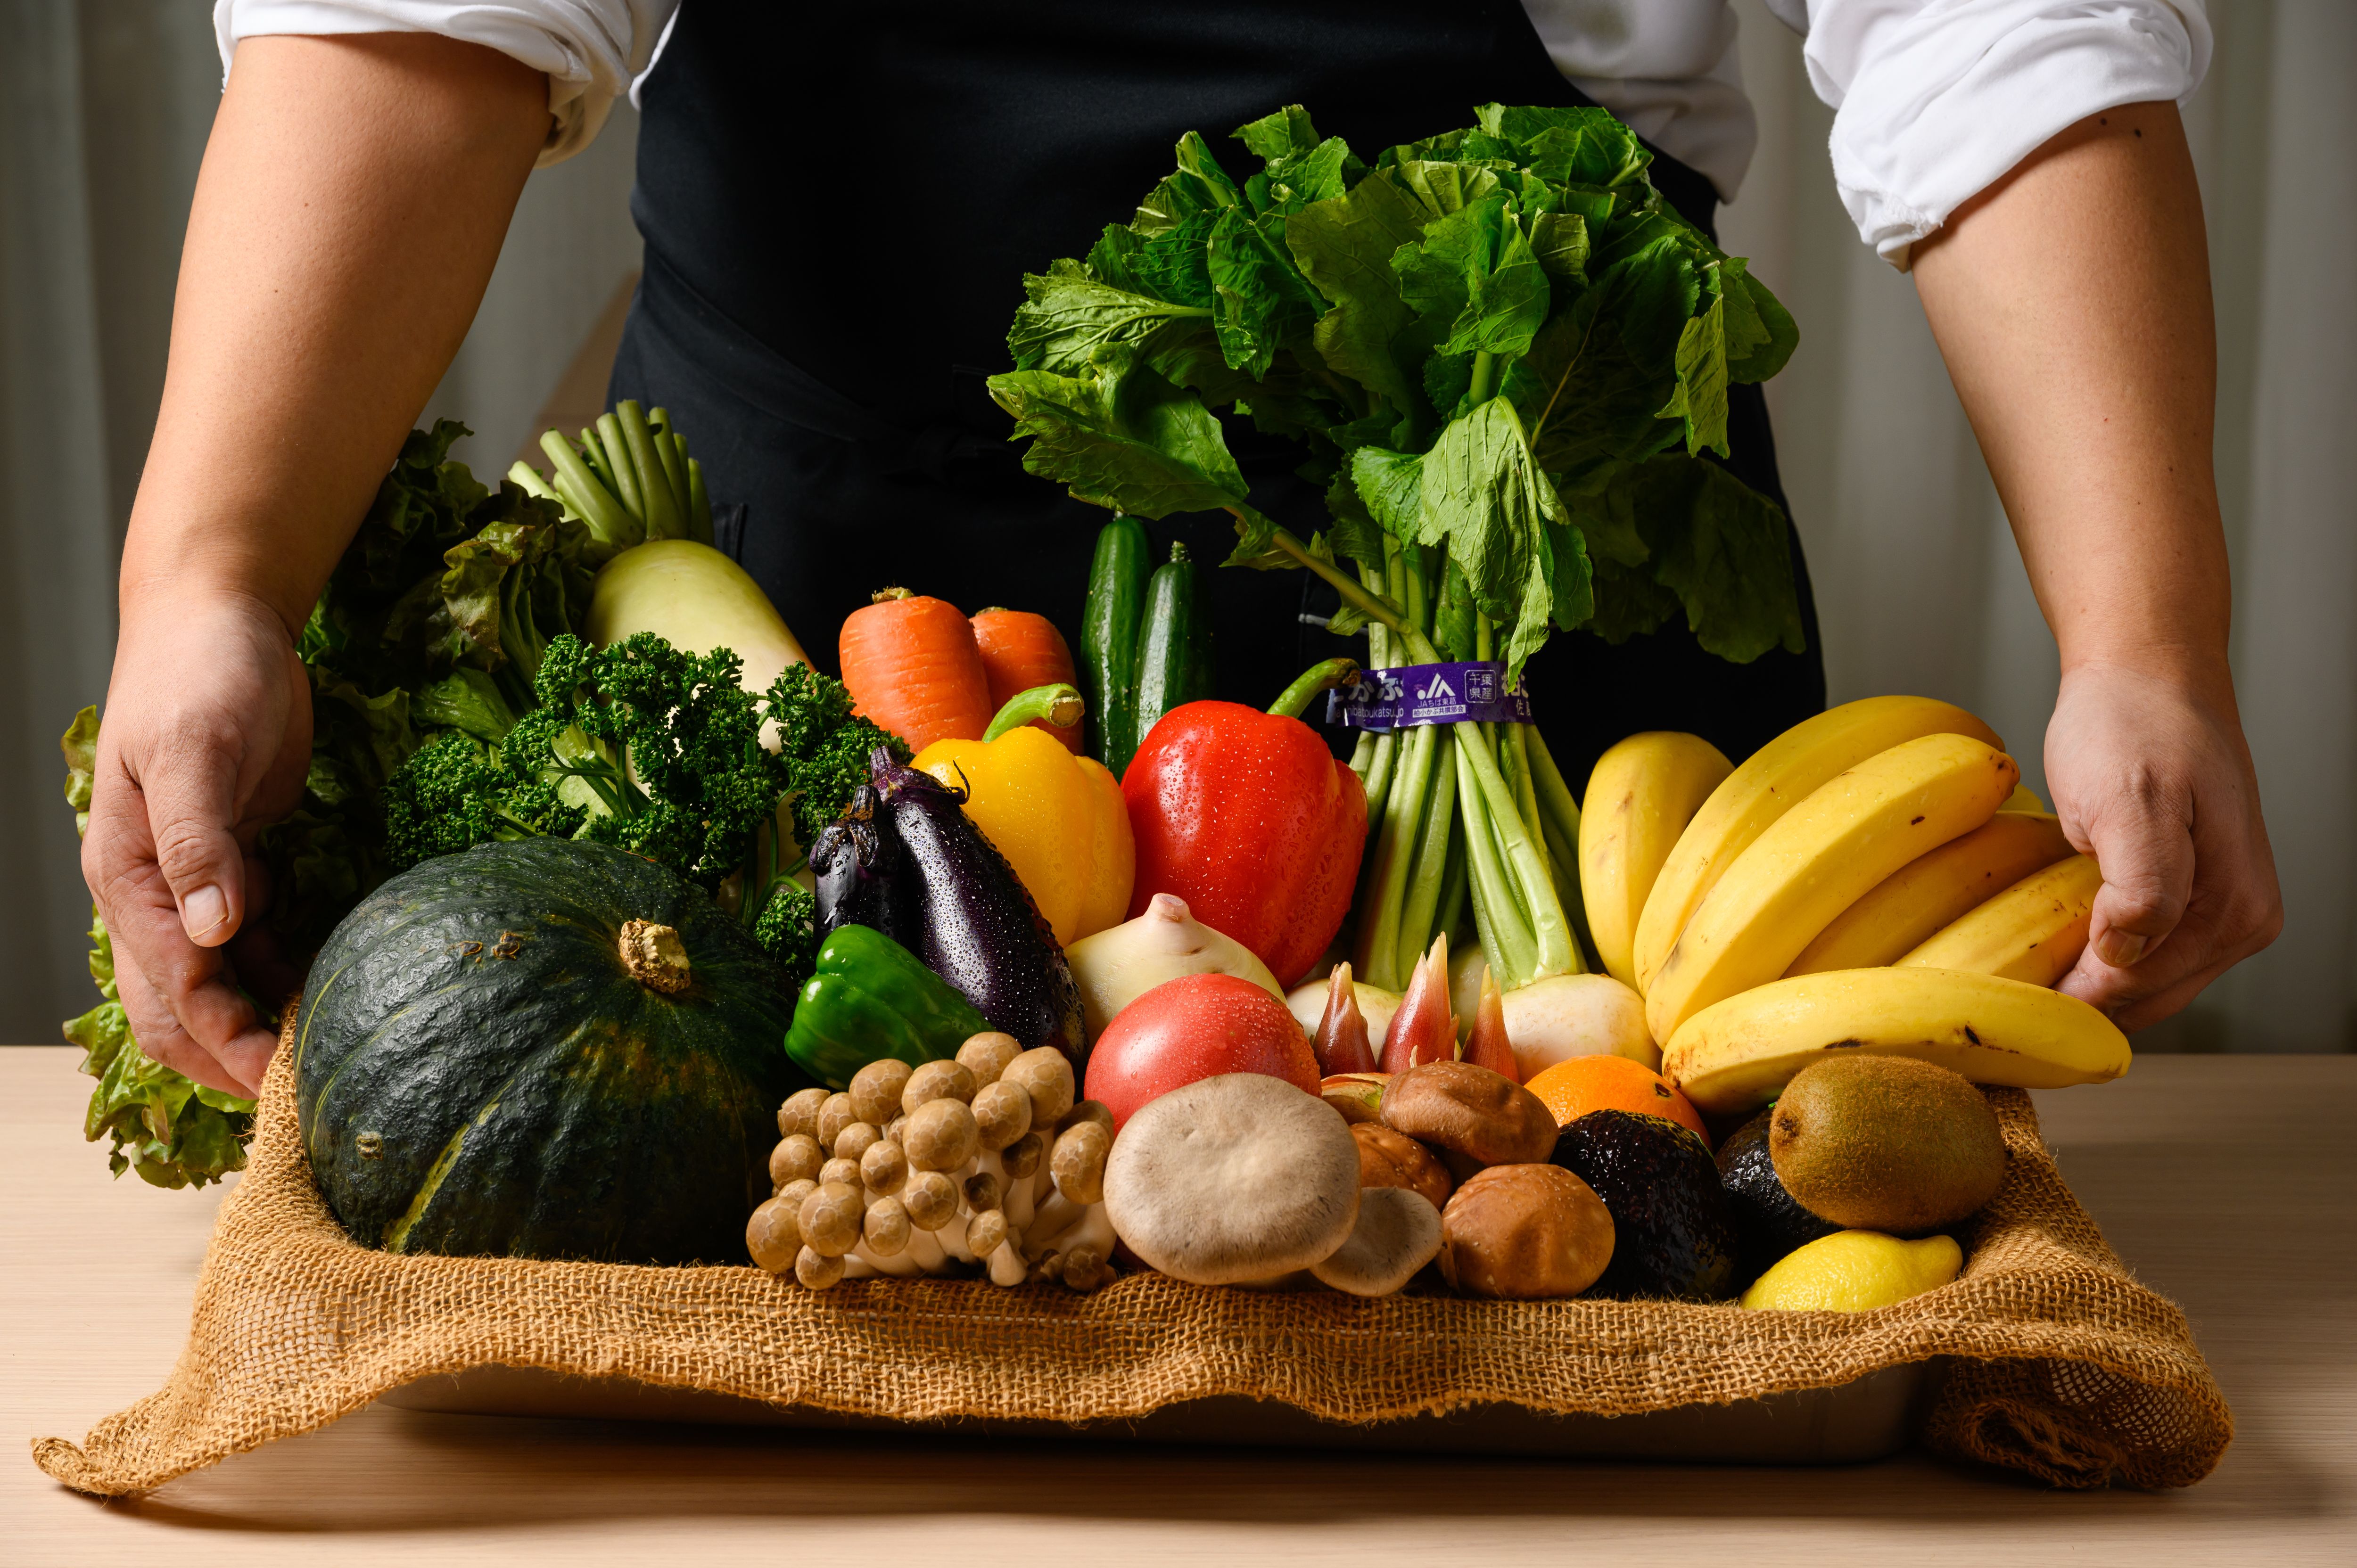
(1198,1025)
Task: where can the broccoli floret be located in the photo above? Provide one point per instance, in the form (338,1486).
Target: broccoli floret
(823,744)
(787,931)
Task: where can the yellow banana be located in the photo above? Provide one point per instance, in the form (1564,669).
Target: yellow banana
(2033,932)
(2025,799)
(1769,782)
(1741,1053)
(1932,890)
(1641,796)
(1820,857)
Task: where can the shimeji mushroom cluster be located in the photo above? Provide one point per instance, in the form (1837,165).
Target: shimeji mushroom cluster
(911,1171)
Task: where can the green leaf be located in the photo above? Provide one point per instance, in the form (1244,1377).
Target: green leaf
(1475,281)
(1130,441)
(1277,135)
(1266,304)
(1576,147)
(79,743)
(1068,316)
(1591,404)
(465,700)
(1442,189)
(1355,535)
(1627,603)
(1484,496)
(1721,547)
(1760,336)
(1573,569)
(1344,246)
(1391,484)
(1701,396)
(1559,240)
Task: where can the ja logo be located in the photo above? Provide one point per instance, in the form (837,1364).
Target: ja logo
(1439,688)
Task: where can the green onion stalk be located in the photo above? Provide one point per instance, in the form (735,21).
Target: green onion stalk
(1464,816)
(629,479)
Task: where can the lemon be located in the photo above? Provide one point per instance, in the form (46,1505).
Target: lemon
(1855,1271)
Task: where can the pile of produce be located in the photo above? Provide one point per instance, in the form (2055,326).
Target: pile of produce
(1046,971)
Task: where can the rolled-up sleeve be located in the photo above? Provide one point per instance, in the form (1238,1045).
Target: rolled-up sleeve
(1936,100)
(591,50)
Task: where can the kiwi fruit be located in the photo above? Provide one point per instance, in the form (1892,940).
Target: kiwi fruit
(1890,1143)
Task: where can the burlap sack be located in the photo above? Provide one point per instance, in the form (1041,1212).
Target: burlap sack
(2068,1369)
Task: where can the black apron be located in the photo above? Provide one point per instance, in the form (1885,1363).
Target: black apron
(839,203)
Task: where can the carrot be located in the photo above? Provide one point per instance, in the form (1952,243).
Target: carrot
(912,665)
(1021,650)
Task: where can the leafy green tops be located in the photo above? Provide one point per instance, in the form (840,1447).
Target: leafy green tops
(1500,342)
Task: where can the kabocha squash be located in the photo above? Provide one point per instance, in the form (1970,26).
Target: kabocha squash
(543,1049)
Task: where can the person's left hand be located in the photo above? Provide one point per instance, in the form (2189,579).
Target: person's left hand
(2151,776)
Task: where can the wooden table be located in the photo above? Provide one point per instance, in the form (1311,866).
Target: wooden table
(2228,1182)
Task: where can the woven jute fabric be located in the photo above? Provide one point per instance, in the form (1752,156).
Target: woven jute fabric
(2065,1367)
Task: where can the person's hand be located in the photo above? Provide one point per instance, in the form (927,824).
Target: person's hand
(206,737)
(2151,776)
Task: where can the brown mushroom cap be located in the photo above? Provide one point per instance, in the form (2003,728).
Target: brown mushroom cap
(1233,1178)
(938,1080)
(1398,1232)
(1045,1075)
(876,1090)
(1480,1117)
(1388,1157)
(987,1054)
(1526,1232)
(800,1112)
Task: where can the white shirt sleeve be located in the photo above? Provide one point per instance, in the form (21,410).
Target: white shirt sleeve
(593,51)
(1935,100)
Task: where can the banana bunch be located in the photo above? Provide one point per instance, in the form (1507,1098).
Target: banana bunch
(1874,879)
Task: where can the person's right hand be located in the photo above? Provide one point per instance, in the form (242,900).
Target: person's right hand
(205,738)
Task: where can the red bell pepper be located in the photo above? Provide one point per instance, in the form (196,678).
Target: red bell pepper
(1250,819)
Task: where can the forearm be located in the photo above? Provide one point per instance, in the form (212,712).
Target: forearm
(2071,302)
(351,204)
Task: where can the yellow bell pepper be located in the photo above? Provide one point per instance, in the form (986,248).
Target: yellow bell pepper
(1059,820)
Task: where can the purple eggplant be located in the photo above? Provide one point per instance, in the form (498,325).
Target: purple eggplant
(863,873)
(975,926)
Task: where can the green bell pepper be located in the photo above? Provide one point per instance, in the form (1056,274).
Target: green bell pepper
(867,998)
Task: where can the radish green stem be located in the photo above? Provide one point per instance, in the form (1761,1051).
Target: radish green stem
(1319,677)
(619,465)
(1429,865)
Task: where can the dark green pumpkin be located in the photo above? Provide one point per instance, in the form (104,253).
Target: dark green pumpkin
(479,1072)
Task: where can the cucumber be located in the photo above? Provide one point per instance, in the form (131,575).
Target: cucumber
(1173,650)
(1109,627)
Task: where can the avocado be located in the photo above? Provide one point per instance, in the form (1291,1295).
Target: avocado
(1769,1221)
(1888,1144)
(1674,1233)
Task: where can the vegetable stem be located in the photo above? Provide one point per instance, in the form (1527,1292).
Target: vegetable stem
(1058,704)
(1378,945)
(1485,378)
(1428,868)
(1323,676)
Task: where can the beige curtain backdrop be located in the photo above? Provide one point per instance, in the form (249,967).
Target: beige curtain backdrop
(104,110)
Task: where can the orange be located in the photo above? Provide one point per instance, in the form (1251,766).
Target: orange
(1572,1089)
